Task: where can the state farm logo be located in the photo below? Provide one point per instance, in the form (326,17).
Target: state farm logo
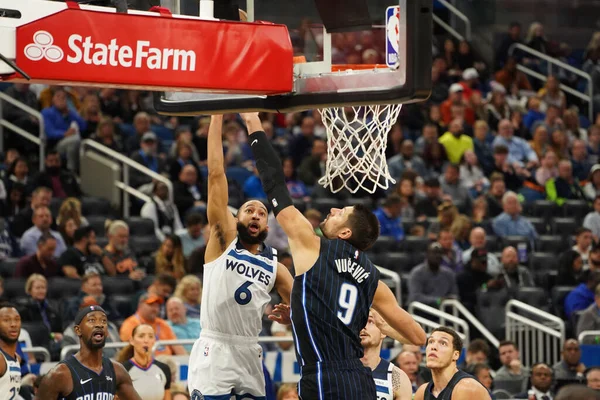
(85,50)
(43,47)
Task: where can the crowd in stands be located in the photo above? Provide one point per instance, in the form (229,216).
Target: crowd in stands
(498,194)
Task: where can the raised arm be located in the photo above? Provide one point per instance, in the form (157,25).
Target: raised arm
(304,243)
(385,304)
(283,283)
(221,222)
(56,384)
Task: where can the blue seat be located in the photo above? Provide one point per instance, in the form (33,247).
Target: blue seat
(238,174)
(127,129)
(163,133)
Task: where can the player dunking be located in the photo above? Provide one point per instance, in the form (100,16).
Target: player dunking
(239,273)
(391,382)
(449,383)
(88,374)
(10,368)
(334,287)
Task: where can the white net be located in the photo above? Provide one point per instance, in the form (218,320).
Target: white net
(356,143)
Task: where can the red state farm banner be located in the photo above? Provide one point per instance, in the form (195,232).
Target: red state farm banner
(156,52)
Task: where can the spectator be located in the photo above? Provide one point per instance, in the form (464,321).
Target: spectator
(582,296)
(551,94)
(515,276)
(46,97)
(481,371)
(455,142)
(188,192)
(147,156)
(147,313)
(579,160)
(592,378)
(435,159)
(559,143)
(18,172)
(540,141)
(512,369)
(535,37)
(570,268)
(406,190)
(583,245)
(456,99)
(470,77)
(447,213)
(42,261)
(71,209)
(85,256)
(67,230)
(423,372)
(163,286)
(570,367)
(183,157)
(541,383)
(36,308)
(477,352)
(169,257)
(439,88)
(429,134)
(191,237)
(312,167)
(302,143)
(105,135)
(548,170)
(519,151)
(287,391)
(481,146)
(565,186)
(592,220)
(15,203)
(449,54)
(24,219)
(593,149)
(183,327)
(389,218)
(183,134)
(430,282)
(62,127)
(573,128)
(592,187)
(407,362)
(452,186)
(477,239)
(428,205)
(509,75)
(474,277)
(90,112)
(189,290)
(452,258)
(42,220)
(472,175)
(119,252)
(91,291)
(513,36)
(141,125)
(295,187)
(62,183)
(496,193)
(551,121)
(497,108)
(511,222)
(253,186)
(589,319)
(162,211)
(406,160)
(234,154)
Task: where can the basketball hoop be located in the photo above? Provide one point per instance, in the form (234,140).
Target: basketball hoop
(356,143)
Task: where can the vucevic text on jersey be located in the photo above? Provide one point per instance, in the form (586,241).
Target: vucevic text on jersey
(97,396)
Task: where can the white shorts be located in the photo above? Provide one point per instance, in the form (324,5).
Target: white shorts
(225,365)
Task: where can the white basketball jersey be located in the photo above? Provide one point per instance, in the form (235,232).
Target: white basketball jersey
(10,382)
(382,375)
(236,290)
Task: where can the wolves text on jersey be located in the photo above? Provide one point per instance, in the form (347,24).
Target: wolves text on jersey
(347,265)
(248,271)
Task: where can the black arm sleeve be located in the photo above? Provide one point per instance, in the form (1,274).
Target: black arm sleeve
(270,171)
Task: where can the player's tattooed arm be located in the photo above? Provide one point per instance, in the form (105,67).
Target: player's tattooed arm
(401,385)
(125,389)
(56,384)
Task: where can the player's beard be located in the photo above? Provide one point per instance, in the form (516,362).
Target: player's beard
(8,340)
(247,238)
(95,346)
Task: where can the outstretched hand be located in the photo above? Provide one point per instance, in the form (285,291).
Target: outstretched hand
(252,121)
(281,314)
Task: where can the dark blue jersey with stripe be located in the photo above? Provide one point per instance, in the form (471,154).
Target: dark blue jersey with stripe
(446,394)
(330,304)
(89,385)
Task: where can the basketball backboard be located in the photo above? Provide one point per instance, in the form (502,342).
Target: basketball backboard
(386,61)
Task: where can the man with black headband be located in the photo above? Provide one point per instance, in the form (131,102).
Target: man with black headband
(87,373)
(334,288)
(10,369)
(239,272)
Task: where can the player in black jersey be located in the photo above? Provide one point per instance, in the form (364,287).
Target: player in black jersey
(449,383)
(334,287)
(88,375)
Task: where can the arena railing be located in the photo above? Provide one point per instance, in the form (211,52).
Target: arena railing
(457,14)
(422,312)
(395,278)
(38,350)
(39,140)
(539,335)
(589,98)
(459,310)
(584,334)
(126,164)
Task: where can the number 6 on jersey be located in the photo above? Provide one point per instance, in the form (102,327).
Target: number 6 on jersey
(347,302)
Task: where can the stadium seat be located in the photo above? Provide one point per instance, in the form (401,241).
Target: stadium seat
(383,244)
(365,201)
(123,303)
(540,208)
(397,262)
(541,261)
(147,262)
(59,287)
(238,174)
(146,282)
(14,287)
(324,205)
(490,305)
(551,243)
(144,245)
(55,204)
(96,206)
(535,297)
(415,244)
(564,226)
(418,258)
(558,299)
(139,226)
(97,222)
(501,388)
(492,243)
(407,225)
(117,285)
(577,209)
(40,336)
(540,224)
(8,267)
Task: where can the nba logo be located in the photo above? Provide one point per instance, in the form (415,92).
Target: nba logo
(206,351)
(356,255)
(392,27)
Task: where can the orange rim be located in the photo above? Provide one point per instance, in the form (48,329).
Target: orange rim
(346,67)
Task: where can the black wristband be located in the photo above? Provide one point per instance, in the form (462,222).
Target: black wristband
(270,171)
